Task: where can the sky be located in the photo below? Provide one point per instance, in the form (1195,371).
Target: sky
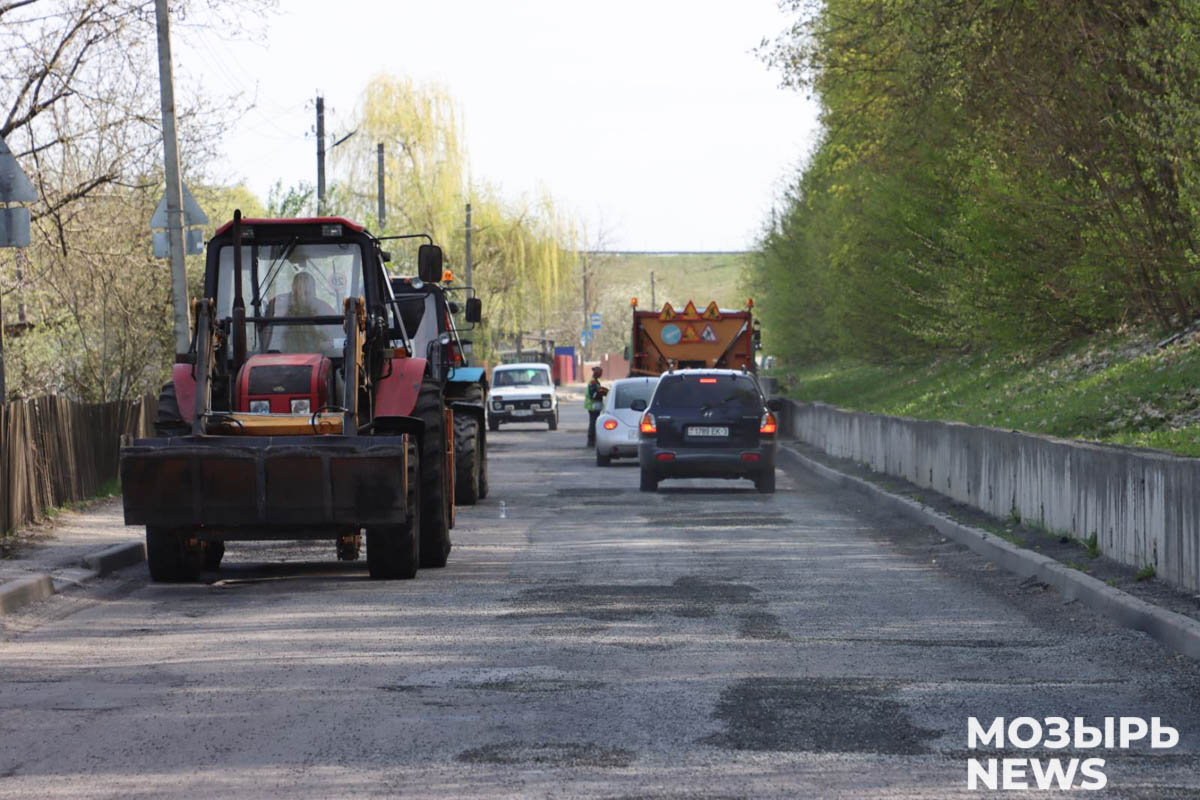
(653,123)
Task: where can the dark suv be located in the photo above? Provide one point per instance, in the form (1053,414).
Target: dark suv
(708,423)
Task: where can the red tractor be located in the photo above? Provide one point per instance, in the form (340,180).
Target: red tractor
(300,411)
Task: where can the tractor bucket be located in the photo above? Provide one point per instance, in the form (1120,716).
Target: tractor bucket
(265,481)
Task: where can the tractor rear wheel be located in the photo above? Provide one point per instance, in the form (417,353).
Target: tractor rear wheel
(435,499)
(173,555)
(168,421)
(394,551)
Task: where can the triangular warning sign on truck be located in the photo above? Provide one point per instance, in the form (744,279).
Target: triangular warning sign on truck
(667,314)
(708,334)
(712,312)
(689,312)
(690,335)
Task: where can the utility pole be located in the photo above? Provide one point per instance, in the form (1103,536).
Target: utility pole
(320,155)
(3,388)
(586,331)
(166,89)
(467,254)
(653,304)
(379,174)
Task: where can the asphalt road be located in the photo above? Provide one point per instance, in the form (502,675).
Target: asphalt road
(586,639)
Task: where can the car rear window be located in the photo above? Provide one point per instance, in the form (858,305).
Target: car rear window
(736,393)
(628,392)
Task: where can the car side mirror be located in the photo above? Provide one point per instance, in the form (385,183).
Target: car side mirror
(638,405)
(429,263)
(474,309)
(775,404)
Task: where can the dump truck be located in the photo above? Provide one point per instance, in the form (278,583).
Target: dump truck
(302,410)
(690,339)
(429,310)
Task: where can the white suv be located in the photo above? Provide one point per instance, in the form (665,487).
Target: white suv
(522,393)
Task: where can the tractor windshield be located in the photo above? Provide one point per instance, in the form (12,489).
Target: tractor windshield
(285,286)
(521,377)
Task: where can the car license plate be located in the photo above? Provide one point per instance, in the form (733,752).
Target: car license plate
(708,430)
(522,412)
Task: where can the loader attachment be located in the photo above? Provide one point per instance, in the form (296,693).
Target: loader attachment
(265,481)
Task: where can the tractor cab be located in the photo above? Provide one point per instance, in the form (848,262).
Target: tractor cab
(427,311)
(297,278)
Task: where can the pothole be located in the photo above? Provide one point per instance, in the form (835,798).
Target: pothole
(816,715)
(557,754)
(686,597)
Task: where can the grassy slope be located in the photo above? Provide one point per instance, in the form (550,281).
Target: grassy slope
(1120,389)
(679,277)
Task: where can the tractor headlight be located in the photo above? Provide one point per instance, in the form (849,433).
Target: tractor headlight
(260,406)
(302,406)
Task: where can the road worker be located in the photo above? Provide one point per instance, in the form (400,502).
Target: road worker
(593,401)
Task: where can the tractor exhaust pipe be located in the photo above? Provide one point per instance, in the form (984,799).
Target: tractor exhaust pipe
(239,303)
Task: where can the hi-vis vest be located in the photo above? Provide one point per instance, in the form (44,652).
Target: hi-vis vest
(591,403)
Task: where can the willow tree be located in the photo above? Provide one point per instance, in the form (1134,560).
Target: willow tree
(521,251)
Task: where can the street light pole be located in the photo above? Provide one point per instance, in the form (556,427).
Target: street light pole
(467,253)
(379,175)
(320,156)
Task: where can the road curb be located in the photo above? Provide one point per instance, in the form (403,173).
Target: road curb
(116,557)
(1174,631)
(23,591)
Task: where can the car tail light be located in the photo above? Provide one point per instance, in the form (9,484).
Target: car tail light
(708,380)
(610,424)
(768,425)
(648,426)
(665,456)
(749,456)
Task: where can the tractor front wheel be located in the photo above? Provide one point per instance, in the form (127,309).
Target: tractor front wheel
(173,554)
(213,553)
(467,466)
(168,420)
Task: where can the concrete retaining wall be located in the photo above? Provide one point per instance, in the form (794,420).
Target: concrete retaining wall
(1143,506)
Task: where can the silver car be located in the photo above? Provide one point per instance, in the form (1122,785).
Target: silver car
(617,425)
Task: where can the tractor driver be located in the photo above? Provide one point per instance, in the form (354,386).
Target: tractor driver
(302,302)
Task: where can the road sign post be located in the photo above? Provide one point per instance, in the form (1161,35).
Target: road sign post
(193,218)
(15,188)
(594,320)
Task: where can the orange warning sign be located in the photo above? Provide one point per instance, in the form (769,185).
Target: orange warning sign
(667,314)
(689,312)
(690,335)
(712,312)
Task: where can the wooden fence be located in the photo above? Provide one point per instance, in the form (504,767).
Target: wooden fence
(54,450)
